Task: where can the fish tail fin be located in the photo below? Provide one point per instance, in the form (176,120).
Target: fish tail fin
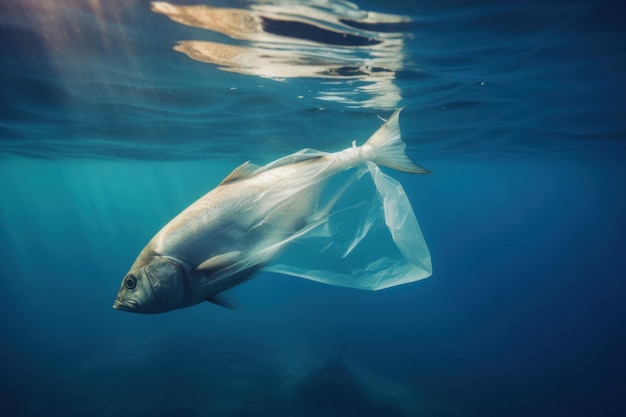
(388,149)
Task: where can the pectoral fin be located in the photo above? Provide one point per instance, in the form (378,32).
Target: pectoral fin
(218,262)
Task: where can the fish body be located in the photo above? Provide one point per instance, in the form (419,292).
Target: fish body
(234,230)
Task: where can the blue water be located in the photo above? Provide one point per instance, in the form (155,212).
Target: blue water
(517,108)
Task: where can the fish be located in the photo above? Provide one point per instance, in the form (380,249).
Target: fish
(228,235)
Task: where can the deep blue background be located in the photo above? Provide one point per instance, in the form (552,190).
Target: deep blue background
(517,109)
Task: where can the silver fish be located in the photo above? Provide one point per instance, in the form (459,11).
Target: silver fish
(233,231)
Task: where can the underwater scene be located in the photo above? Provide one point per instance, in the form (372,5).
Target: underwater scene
(312,208)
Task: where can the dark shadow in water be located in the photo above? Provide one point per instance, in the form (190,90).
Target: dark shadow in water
(332,390)
(187,377)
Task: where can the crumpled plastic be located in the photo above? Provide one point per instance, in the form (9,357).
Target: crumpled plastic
(365,235)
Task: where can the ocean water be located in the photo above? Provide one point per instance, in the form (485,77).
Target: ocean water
(107,132)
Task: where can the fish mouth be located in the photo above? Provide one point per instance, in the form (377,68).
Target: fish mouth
(125,305)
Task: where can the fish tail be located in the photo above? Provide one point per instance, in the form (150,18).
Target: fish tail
(387,148)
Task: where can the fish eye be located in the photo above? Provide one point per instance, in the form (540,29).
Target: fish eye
(130,282)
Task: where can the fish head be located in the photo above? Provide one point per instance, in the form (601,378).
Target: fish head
(154,284)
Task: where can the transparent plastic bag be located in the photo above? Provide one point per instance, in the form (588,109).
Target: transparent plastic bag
(366,235)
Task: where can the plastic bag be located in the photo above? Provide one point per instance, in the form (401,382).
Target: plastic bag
(369,239)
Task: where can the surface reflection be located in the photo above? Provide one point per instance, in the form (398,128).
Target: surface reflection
(320,39)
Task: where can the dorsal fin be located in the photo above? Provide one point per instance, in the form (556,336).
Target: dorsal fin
(244,170)
(248,169)
(294,158)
